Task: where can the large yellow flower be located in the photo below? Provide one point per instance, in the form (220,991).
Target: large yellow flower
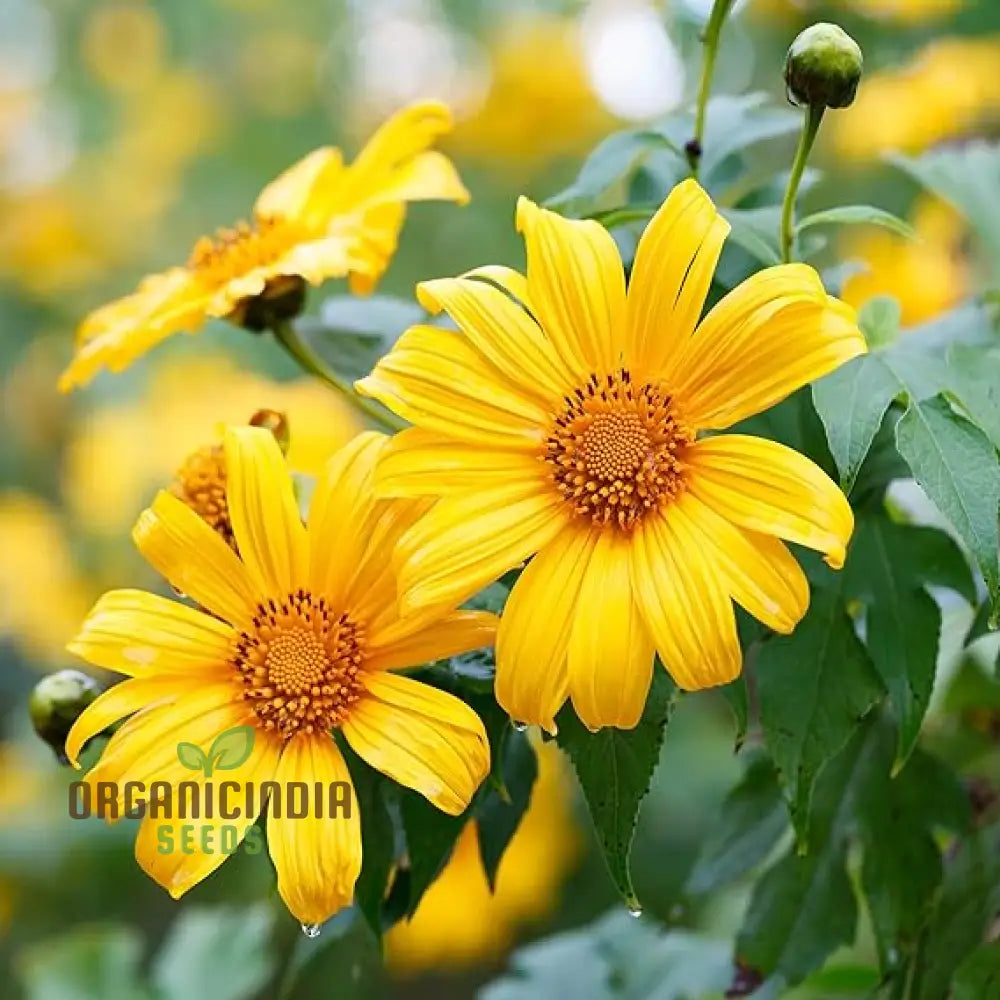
(300,636)
(320,219)
(565,419)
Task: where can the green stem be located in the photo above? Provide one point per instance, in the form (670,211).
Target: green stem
(292,342)
(809,129)
(713,30)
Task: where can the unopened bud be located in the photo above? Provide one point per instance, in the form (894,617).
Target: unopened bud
(276,422)
(57,702)
(823,67)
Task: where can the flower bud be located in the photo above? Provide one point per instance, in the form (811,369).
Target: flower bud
(57,702)
(823,67)
(276,422)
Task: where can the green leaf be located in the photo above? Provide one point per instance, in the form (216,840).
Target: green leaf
(192,756)
(851,402)
(498,816)
(431,836)
(888,567)
(978,977)
(958,469)
(232,748)
(752,821)
(974,378)
(614,767)
(814,688)
(752,229)
(880,319)
(221,952)
(738,699)
(90,963)
(857,215)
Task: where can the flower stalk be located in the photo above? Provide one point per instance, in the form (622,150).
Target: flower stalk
(810,128)
(710,40)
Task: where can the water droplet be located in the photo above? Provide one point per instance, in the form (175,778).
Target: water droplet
(519,726)
(892,958)
(634,910)
(312,931)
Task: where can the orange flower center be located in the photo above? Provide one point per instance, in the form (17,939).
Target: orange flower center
(299,666)
(237,251)
(201,484)
(616,451)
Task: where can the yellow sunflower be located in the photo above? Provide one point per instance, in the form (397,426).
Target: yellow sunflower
(300,635)
(565,419)
(320,219)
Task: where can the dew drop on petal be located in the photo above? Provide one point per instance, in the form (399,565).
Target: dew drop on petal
(635,910)
(519,726)
(311,931)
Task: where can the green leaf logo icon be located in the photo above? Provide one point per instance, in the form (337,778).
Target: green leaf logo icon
(229,750)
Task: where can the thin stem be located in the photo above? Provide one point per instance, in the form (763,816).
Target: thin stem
(291,341)
(713,30)
(810,127)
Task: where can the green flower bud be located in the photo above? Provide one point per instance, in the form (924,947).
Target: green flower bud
(57,702)
(823,68)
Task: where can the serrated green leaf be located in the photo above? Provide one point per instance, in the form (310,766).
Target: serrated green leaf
(978,977)
(857,215)
(232,748)
(222,952)
(958,469)
(851,402)
(614,767)
(880,319)
(751,822)
(974,378)
(814,688)
(888,567)
(192,756)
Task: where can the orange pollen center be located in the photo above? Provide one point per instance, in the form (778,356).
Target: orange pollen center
(237,251)
(616,451)
(299,667)
(201,484)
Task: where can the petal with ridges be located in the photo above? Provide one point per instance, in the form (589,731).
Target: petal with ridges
(182,547)
(610,651)
(421,737)
(769,488)
(266,522)
(288,195)
(317,858)
(532,677)
(684,602)
(456,633)
(576,283)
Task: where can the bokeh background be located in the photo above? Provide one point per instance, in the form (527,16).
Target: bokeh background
(130,127)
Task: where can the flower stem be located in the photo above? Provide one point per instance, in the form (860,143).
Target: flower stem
(814,115)
(292,342)
(710,38)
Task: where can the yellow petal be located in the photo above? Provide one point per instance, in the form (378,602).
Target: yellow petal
(610,648)
(532,677)
(419,463)
(671,276)
(456,633)
(771,335)
(187,862)
(423,738)
(436,379)
(769,488)
(760,573)
(318,859)
(428,176)
(194,558)
(512,282)
(142,635)
(317,261)
(288,195)
(576,283)
(374,236)
(266,522)
(114,704)
(342,516)
(467,541)
(503,333)
(684,602)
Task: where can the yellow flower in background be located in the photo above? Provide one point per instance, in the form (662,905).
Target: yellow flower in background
(121,453)
(563,419)
(460,921)
(278,71)
(927,276)
(898,11)
(949,88)
(122,45)
(540,103)
(42,597)
(300,634)
(318,220)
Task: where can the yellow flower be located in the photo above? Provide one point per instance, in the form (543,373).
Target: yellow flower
(459,920)
(927,275)
(300,635)
(320,219)
(563,419)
